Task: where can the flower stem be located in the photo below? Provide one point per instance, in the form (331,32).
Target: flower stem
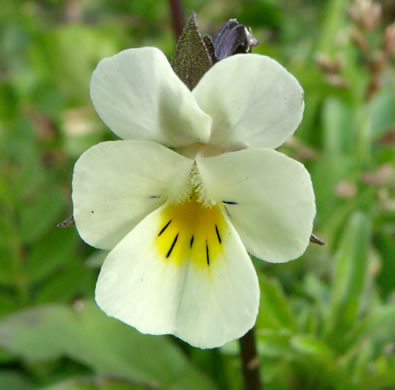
(250,361)
(177,16)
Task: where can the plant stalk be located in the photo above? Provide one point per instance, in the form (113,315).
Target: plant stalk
(250,362)
(177,16)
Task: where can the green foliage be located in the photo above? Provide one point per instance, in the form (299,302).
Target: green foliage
(14,380)
(94,384)
(326,321)
(334,331)
(108,347)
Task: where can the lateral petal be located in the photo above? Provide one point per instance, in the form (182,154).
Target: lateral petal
(117,183)
(269,198)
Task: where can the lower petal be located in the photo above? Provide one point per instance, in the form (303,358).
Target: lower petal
(183,270)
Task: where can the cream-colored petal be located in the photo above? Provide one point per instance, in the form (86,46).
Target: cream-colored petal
(269,199)
(138,96)
(160,280)
(117,183)
(253,100)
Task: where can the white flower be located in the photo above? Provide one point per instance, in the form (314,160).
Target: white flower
(194,186)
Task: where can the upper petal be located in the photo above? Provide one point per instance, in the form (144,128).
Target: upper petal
(269,198)
(117,183)
(160,280)
(138,96)
(253,101)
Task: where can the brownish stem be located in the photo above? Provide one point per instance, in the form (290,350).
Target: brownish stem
(177,16)
(250,361)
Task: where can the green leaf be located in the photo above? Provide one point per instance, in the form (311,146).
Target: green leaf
(380,324)
(95,383)
(381,113)
(274,308)
(349,277)
(7,271)
(6,357)
(338,127)
(191,59)
(333,21)
(312,346)
(326,174)
(107,346)
(384,242)
(69,64)
(8,302)
(50,253)
(96,259)
(275,344)
(308,317)
(12,380)
(73,280)
(41,213)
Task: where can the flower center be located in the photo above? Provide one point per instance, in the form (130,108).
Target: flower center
(193,188)
(191,231)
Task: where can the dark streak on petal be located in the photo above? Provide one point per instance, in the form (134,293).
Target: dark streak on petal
(191,243)
(164,228)
(229,202)
(218,235)
(154,196)
(207,254)
(172,246)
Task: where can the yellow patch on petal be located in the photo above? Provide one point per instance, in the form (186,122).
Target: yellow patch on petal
(191,231)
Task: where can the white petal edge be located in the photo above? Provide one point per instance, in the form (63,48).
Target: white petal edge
(205,308)
(117,183)
(275,200)
(253,100)
(138,96)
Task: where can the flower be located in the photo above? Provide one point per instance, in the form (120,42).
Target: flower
(194,186)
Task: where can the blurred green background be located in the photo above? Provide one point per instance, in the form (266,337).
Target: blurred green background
(327,320)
